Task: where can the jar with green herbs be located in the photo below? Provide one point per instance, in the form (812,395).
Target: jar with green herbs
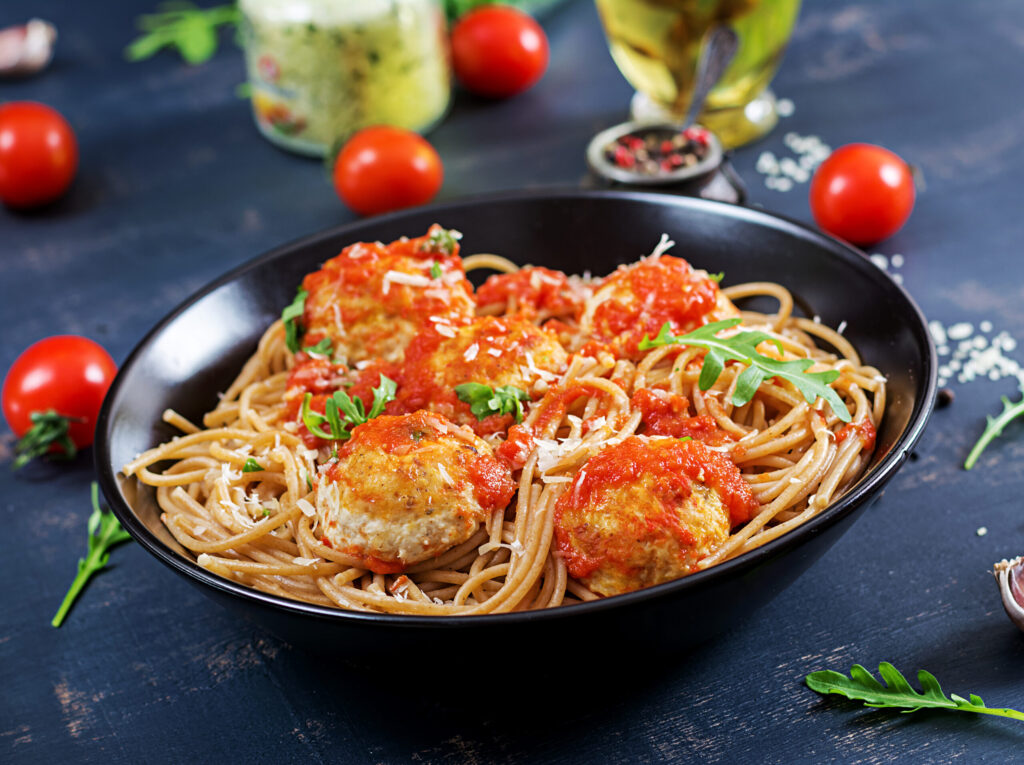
(321,69)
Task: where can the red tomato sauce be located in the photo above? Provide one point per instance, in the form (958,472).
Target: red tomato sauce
(665,414)
(864,429)
(673,465)
(647,295)
(534,289)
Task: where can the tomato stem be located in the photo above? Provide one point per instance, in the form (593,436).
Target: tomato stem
(48,429)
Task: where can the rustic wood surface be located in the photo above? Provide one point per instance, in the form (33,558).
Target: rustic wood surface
(176,187)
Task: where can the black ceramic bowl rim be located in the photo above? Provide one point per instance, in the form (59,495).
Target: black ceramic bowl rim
(869,484)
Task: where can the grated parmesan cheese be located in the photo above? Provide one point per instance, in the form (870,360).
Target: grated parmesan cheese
(471,352)
(400,277)
(445,475)
(445,329)
(496,352)
(305,561)
(307,509)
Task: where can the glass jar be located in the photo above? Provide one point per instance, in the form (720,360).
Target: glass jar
(321,69)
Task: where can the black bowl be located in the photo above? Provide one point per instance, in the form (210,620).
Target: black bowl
(197,350)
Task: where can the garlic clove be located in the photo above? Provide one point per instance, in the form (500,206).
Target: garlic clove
(27,48)
(1010,576)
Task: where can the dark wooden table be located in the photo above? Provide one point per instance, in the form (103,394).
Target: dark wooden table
(176,187)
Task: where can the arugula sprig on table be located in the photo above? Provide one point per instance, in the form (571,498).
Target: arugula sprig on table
(742,347)
(352,407)
(897,693)
(994,427)
(104,533)
(484,400)
(182,26)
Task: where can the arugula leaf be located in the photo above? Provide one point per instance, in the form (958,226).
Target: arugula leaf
(48,428)
(323,348)
(435,270)
(484,400)
(861,685)
(181,25)
(109,534)
(742,347)
(994,427)
(291,316)
(442,240)
(251,466)
(382,394)
(352,407)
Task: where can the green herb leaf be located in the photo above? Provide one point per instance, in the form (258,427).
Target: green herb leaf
(717,278)
(104,533)
(291,316)
(994,427)
(742,347)
(323,348)
(314,420)
(251,466)
(435,270)
(442,241)
(352,407)
(309,482)
(897,693)
(484,400)
(382,394)
(266,512)
(182,26)
(48,429)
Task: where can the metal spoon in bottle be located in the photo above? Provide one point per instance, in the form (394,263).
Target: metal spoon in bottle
(715,57)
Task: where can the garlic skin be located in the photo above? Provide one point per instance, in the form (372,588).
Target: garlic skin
(27,48)
(1009,575)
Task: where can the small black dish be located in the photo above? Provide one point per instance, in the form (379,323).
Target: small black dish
(711,177)
(198,349)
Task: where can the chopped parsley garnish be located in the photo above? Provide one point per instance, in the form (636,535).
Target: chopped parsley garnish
(340,403)
(484,400)
(443,241)
(323,348)
(266,512)
(742,347)
(861,685)
(435,270)
(251,466)
(291,317)
(717,278)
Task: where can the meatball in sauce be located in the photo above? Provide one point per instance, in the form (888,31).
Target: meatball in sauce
(407,488)
(646,511)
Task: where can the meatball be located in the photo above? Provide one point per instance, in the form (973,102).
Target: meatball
(538,293)
(636,300)
(646,511)
(407,488)
(487,350)
(373,298)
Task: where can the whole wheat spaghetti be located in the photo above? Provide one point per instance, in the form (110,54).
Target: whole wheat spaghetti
(259,498)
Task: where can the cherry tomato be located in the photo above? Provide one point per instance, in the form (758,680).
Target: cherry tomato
(862,193)
(65,374)
(498,51)
(38,154)
(386,168)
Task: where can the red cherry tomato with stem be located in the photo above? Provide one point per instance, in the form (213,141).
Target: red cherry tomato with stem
(52,395)
(386,168)
(498,51)
(862,193)
(38,154)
